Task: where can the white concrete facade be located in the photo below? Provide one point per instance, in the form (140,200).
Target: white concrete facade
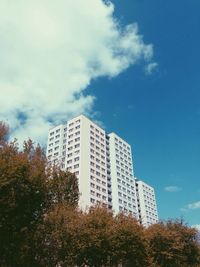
(102,163)
(122,176)
(147,206)
(80,147)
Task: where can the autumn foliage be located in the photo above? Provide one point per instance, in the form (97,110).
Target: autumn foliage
(41,225)
(29,190)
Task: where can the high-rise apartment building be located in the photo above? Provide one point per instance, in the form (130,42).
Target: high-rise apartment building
(102,163)
(146,203)
(80,147)
(122,177)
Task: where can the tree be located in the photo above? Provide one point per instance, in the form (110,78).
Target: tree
(62,187)
(93,235)
(94,238)
(22,194)
(56,239)
(4,129)
(68,237)
(29,188)
(128,242)
(173,244)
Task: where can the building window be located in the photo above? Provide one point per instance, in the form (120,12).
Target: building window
(92,185)
(92,178)
(76,152)
(76,159)
(98,167)
(97,142)
(77,145)
(92,192)
(92,200)
(77,133)
(98,181)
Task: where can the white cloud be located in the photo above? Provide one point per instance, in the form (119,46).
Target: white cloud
(151,67)
(172,189)
(50,51)
(197,226)
(193,206)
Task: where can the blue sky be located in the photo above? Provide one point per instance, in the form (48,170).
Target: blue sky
(63,58)
(159,114)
